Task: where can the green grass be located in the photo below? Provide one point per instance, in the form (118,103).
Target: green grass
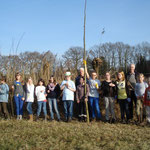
(67,136)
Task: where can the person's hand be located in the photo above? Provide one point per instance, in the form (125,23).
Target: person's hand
(96,85)
(48,91)
(45,95)
(86,99)
(58,100)
(67,85)
(23,98)
(78,101)
(112,85)
(41,91)
(12,87)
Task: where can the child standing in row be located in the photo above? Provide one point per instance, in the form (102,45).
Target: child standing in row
(109,90)
(40,92)
(140,88)
(29,97)
(147,101)
(4,91)
(53,92)
(68,87)
(81,98)
(18,96)
(122,95)
(94,85)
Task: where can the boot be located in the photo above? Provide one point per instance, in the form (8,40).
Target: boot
(31,117)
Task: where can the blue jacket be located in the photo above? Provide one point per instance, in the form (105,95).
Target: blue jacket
(4,93)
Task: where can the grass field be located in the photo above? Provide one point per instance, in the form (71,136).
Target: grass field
(68,136)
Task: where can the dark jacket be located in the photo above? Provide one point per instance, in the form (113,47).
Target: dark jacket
(107,90)
(130,87)
(77,80)
(80,92)
(55,93)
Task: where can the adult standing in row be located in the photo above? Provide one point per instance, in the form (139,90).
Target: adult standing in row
(132,78)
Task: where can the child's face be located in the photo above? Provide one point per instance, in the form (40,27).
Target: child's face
(81,81)
(30,80)
(18,77)
(107,76)
(68,78)
(2,82)
(40,83)
(119,76)
(52,79)
(94,75)
(141,79)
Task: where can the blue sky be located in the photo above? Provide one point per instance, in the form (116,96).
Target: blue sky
(57,25)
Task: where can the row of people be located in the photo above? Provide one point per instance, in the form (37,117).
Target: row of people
(110,90)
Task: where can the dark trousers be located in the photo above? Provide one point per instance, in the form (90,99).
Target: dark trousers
(131,108)
(124,108)
(3,106)
(82,109)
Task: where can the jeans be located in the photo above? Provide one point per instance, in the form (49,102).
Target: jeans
(68,108)
(53,102)
(19,105)
(124,108)
(29,108)
(94,106)
(40,103)
(109,107)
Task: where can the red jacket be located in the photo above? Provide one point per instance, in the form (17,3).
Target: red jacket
(147,97)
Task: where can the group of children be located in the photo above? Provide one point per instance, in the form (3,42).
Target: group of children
(110,90)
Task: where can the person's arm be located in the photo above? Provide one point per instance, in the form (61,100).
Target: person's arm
(72,88)
(127,90)
(145,95)
(88,91)
(36,91)
(87,74)
(62,86)
(77,96)
(136,92)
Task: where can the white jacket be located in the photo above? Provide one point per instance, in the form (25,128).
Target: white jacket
(30,93)
(40,92)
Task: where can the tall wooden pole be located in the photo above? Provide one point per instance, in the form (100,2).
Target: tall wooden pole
(85,67)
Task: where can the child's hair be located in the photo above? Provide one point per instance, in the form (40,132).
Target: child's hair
(141,75)
(82,78)
(3,78)
(41,80)
(123,76)
(17,74)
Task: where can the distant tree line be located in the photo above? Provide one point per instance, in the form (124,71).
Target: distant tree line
(114,56)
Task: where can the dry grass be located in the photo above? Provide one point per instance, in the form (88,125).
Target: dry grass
(67,136)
